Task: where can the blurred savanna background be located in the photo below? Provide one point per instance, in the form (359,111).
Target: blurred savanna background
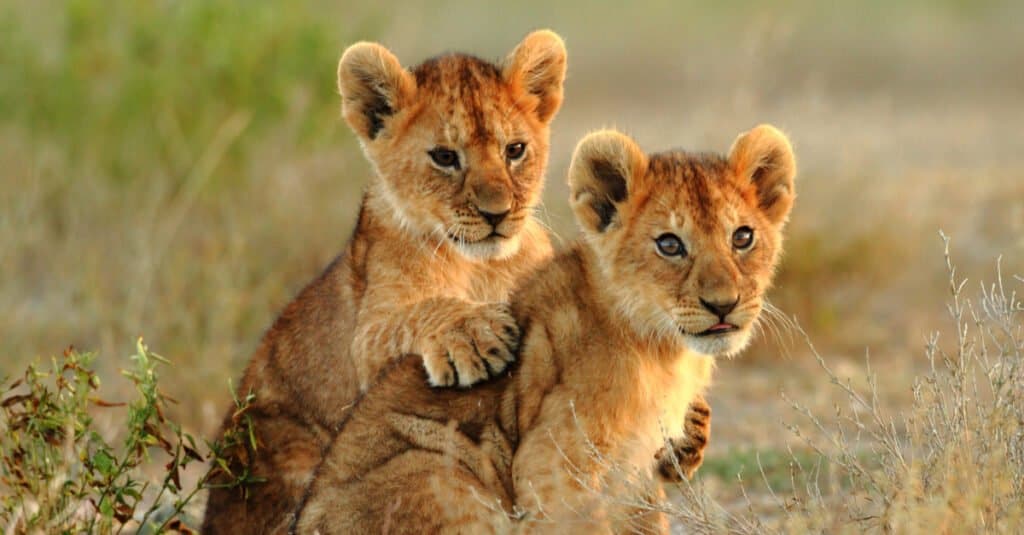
(179,170)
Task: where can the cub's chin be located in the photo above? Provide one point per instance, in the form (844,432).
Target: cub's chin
(724,344)
(493,247)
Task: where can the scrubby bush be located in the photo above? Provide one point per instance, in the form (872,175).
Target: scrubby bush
(60,473)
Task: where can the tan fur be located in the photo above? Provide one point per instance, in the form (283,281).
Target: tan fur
(614,354)
(425,270)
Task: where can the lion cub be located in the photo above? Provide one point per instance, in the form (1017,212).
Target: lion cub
(619,335)
(459,147)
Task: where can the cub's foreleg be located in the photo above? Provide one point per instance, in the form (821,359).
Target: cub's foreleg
(686,454)
(461,343)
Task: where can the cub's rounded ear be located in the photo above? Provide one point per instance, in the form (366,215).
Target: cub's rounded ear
(373,86)
(604,168)
(537,67)
(765,157)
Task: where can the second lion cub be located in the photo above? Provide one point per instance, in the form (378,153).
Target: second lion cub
(619,335)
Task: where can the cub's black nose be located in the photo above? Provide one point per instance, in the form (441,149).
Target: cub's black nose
(493,219)
(720,309)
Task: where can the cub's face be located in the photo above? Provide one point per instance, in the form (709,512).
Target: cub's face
(460,145)
(687,242)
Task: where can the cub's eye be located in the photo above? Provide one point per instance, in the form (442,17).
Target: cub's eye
(743,238)
(514,151)
(670,245)
(445,157)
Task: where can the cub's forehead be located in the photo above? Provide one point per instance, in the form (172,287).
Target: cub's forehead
(467,96)
(442,71)
(694,189)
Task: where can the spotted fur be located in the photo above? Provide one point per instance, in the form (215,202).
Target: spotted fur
(427,269)
(614,353)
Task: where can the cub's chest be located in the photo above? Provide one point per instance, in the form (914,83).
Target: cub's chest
(661,400)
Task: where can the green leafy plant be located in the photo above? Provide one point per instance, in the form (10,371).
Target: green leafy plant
(240,440)
(60,474)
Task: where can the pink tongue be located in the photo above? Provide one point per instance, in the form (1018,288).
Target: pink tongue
(720,327)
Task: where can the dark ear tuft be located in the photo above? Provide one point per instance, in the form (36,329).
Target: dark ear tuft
(765,157)
(603,167)
(373,86)
(376,110)
(537,67)
(611,175)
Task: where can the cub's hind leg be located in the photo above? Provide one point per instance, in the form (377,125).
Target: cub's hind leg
(398,466)
(415,492)
(280,466)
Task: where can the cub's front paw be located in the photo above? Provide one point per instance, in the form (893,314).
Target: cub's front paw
(688,451)
(476,346)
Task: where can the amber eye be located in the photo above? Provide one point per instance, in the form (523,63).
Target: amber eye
(514,151)
(445,157)
(670,245)
(743,238)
